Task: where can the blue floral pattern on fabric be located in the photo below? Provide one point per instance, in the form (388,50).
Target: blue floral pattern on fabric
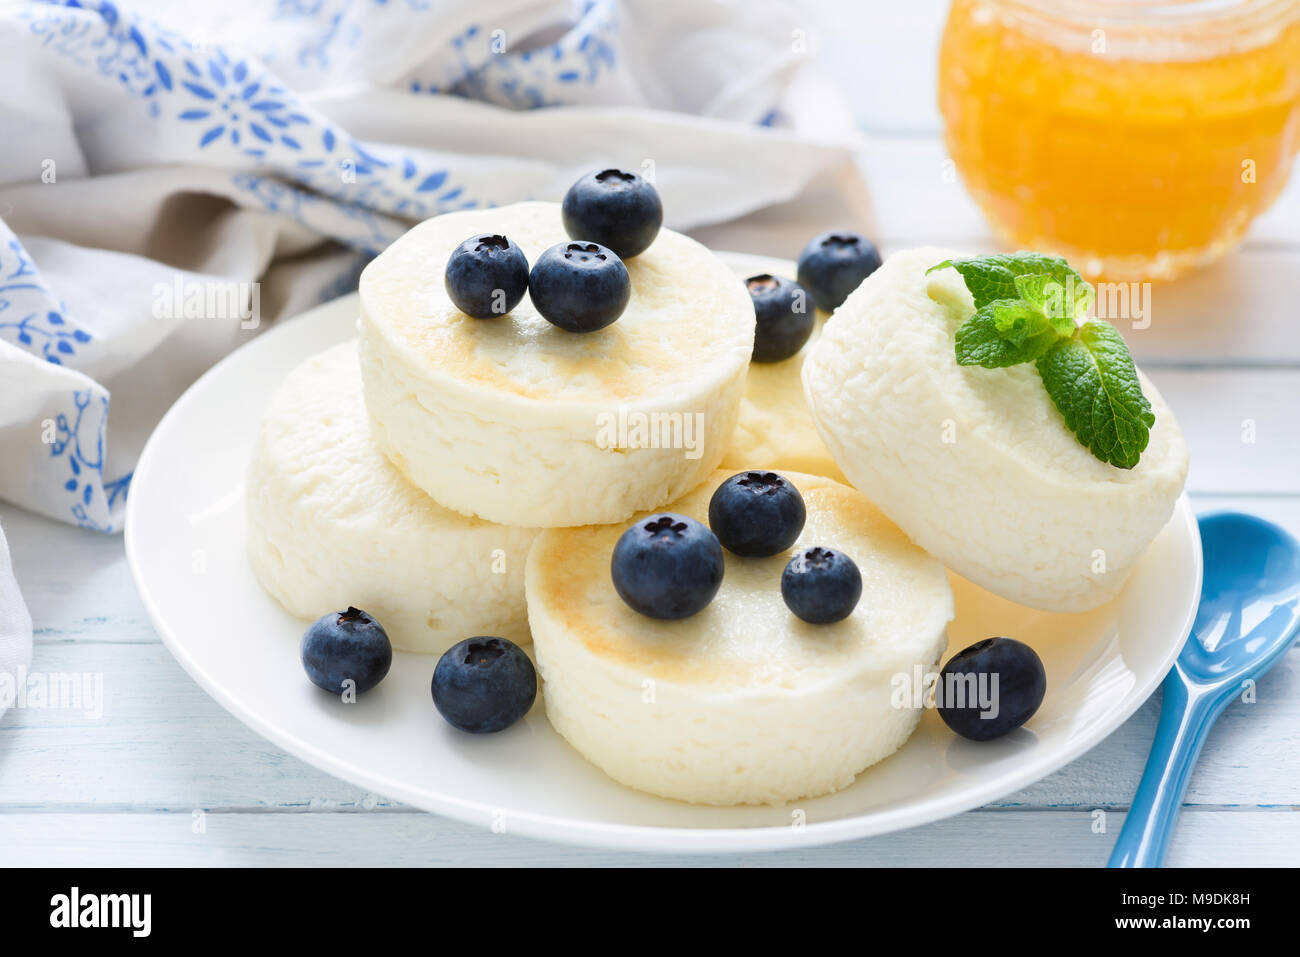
(79,441)
(292,160)
(27,317)
(75,431)
(534,77)
(236,107)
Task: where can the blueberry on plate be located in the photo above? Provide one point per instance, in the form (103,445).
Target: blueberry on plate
(821,585)
(990,688)
(486,276)
(615,208)
(834,264)
(667,566)
(483,685)
(783,314)
(579,286)
(343,646)
(756,514)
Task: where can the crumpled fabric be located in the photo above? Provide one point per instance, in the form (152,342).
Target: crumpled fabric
(177,176)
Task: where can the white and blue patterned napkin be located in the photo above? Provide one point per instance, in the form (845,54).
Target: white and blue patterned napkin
(272,148)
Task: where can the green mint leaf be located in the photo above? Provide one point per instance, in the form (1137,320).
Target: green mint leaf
(1027,308)
(1063,303)
(990,278)
(1006,332)
(1094,384)
(1017,321)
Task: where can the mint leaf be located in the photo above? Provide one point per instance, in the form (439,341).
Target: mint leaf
(1027,307)
(1006,332)
(1094,384)
(1017,321)
(990,278)
(1063,303)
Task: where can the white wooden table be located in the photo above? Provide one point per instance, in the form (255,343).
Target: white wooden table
(166,776)
(126,788)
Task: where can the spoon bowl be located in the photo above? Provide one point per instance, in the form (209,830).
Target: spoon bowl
(1249,608)
(1248,616)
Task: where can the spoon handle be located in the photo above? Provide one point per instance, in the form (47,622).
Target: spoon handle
(1185,719)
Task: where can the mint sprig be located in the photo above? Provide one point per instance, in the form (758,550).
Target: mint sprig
(1093,382)
(1006,332)
(1027,309)
(994,277)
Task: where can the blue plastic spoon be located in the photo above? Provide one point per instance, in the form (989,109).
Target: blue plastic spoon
(1248,616)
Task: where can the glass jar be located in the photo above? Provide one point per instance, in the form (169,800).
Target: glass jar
(1137,138)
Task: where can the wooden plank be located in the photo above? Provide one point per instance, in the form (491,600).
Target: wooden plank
(883,56)
(160,742)
(917,198)
(1240,425)
(76,582)
(163,743)
(979,839)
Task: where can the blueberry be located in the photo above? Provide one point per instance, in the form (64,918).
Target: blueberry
(486,276)
(756,514)
(784,317)
(667,566)
(615,208)
(998,677)
(821,585)
(346,645)
(483,685)
(580,287)
(834,264)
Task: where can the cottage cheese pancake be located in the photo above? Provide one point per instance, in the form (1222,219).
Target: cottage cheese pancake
(741,703)
(517,421)
(976,465)
(776,429)
(331,523)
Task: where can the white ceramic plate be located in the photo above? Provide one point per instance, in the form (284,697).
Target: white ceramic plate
(186,548)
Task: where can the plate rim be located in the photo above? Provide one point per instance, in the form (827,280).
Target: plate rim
(622,837)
